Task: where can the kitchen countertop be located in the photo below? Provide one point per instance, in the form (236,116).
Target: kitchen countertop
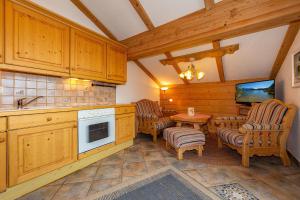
(35,110)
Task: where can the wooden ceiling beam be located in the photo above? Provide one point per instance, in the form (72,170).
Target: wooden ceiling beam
(209,4)
(142,67)
(176,67)
(142,13)
(200,55)
(285,47)
(219,61)
(230,19)
(93,18)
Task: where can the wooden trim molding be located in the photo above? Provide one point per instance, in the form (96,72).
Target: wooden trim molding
(219,61)
(142,13)
(202,54)
(142,67)
(93,18)
(285,47)
(176,67)
(231,19)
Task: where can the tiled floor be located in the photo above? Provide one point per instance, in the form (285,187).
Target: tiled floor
(266,178)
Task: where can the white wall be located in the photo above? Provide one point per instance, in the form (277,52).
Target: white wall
(68,10)
(138,86)
(288,94)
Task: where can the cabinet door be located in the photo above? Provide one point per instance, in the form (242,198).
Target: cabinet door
(1,31)
(2,161)
(88,56)
(36,151)
(116,63)
(35,41)
(125,127)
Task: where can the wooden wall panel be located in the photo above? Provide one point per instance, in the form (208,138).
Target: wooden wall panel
(210,98)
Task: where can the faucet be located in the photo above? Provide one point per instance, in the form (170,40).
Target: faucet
(21,102)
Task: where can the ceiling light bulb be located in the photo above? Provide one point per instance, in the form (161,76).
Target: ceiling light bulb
(164,88)
(200,75)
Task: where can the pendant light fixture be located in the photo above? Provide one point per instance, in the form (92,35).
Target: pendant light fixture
(191,72)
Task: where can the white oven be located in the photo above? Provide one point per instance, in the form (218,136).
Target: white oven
(95,128)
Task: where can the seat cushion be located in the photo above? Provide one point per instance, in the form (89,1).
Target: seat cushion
(183,136)
(268,112)
(231,136)
(164,122)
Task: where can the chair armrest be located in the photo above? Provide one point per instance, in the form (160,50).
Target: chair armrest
(168,113)
(148,116)
(230,121)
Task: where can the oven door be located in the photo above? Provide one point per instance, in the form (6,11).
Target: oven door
(95,132)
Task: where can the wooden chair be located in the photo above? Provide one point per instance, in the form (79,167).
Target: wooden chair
(150,119)
(263,132)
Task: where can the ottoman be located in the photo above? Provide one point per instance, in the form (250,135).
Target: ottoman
(183,139)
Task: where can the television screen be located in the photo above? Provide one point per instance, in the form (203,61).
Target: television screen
(255,91)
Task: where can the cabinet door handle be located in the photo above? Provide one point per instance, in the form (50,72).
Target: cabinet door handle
(2,140)
(49,119)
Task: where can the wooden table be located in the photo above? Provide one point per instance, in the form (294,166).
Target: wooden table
(198,121)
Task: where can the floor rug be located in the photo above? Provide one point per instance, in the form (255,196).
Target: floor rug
(165,184)
(233,191)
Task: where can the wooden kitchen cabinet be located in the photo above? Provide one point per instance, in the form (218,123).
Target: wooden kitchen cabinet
(1,31)
(88,56)
(38,150)
(125,127)
(3,142)
(35,43)
(116,63)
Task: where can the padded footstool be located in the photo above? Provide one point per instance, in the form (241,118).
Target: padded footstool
(183,139)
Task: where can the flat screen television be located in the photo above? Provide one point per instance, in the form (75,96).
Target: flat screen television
(254,92)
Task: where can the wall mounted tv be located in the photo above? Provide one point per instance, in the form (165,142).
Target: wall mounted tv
(253,92)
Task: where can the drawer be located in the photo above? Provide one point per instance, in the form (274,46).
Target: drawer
(3,125)
(123,110)
(25,121)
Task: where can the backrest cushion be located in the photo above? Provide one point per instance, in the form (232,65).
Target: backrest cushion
(268,112)
(148,107)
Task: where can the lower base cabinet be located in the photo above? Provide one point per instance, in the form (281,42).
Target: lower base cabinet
(38,150)
(125,127)
(2,161)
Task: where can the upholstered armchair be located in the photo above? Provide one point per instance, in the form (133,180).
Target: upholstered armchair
(150,118)
(263,132)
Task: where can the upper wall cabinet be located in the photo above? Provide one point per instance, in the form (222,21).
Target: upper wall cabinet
(35,41)
(1,31)
(88,56)
(116,63)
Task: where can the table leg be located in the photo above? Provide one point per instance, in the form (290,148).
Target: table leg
(197,126)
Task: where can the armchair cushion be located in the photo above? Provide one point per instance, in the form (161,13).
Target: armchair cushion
(164,122)
(146,107)
(268,112)
(231,136)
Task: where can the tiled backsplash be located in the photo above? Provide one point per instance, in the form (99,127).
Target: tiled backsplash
(55,91)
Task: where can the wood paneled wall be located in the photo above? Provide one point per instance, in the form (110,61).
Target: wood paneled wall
(210,98)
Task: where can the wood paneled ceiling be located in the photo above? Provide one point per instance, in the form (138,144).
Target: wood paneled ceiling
(155,30)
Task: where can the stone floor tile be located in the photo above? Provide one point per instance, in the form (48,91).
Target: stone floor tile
(156,164)
(73,191)
(153,155)
(44,193)
(115,159)
(101,185)
(83,175)
(133,157)
(109,172)
(134,169)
